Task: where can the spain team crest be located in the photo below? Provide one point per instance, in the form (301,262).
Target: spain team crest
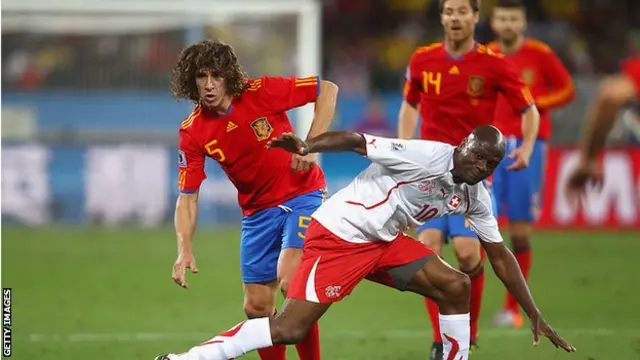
(261,128)
(475,86)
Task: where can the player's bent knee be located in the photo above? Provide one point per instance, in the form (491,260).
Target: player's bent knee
(256,307)
(284,286)
(432,238)
(457,292)
(467,251)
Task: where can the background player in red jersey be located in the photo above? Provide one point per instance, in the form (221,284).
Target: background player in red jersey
(232,122)
(517,193)
(454,87)
(615,91)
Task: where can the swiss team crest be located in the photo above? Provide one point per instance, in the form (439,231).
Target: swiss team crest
(475,87)
(455,201)
(527,76)
(261,128)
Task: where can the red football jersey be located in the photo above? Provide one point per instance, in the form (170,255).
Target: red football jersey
(457,95)
(237,141)
(550,84)
(631,68)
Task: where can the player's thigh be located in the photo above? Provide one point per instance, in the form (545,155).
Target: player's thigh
(408,265)
(260,245)
(433,233)
(331,267)
(288,262)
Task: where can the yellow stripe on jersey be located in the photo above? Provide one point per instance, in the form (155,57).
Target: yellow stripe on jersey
(527,95)
(182,179)
(194,114)
(427,48)
(555,97)
(308,78)
(255,85)
(307,81)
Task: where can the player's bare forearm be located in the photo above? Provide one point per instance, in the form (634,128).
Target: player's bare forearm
(613,94)
(325,108)
(185,220)
(506,267)
(407,120)
(337,141)
(530,126)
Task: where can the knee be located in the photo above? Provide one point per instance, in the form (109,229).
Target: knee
(433,239)
(286,333)
(520,234)
(458,290)
(256,307)
(468,252)
(284,286)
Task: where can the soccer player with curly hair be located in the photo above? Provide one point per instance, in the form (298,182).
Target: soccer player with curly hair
(233,120)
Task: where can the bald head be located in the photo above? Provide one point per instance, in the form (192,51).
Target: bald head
(490,139)
(478,155)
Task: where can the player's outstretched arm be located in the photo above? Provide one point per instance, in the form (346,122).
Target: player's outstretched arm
(506,268)
(327,142)
(614,92)
(185,220)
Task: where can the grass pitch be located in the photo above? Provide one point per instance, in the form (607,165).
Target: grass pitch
(93,293)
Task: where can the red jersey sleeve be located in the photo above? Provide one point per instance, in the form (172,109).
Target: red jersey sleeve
(190,164)
(511,86)
(558,78)
(631,68)
(411,92)
(281,94)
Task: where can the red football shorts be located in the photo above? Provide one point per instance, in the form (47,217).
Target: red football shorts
(332,267)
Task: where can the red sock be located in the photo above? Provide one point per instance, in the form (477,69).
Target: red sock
(276,352)
(477,287)
(524,260)
(309,347)
(434,315)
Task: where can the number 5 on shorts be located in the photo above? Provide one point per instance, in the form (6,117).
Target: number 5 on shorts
(303,224)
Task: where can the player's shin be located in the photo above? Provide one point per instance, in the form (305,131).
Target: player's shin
(245,337)
(456,336)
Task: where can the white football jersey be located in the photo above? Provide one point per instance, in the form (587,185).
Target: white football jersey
(408,184)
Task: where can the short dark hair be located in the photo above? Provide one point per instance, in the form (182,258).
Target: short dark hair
(212,55)
(510,4)
(475,5)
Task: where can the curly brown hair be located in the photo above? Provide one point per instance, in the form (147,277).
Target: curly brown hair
(215,56)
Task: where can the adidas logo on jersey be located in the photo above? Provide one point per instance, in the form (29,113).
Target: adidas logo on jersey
(454,70)
(231,125)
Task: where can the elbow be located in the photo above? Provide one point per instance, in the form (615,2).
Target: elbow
(329,88)
(615,92)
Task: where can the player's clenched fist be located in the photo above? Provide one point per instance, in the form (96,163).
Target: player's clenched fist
(183,262)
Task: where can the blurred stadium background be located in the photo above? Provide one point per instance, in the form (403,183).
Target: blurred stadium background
(89,169)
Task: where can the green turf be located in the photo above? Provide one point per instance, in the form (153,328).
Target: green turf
(88,293)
